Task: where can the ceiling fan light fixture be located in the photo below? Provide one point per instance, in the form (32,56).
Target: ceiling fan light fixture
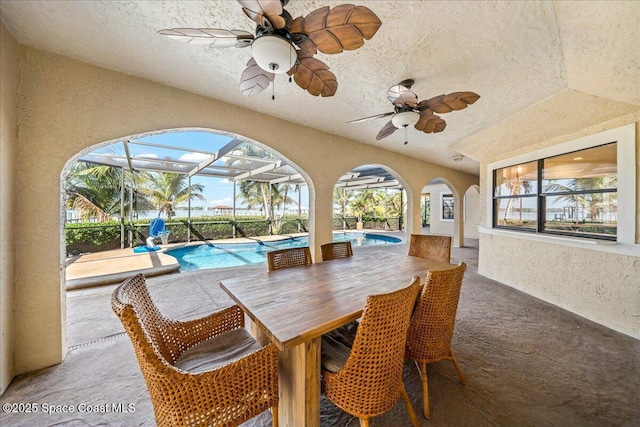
(273,53)
(405,119)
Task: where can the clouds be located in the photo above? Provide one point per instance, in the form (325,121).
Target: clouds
(193,157)
(224,201)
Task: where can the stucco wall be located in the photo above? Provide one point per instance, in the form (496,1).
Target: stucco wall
(8,140)
(601,286)
(471,212)
(600,282)
(67,106)
(471,208)
(438,226)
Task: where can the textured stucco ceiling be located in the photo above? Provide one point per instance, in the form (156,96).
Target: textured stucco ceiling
(541,67)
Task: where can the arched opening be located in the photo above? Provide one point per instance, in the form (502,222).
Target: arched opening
(205,185)
(369,199)
(437,202)
(471,212)
(445,212)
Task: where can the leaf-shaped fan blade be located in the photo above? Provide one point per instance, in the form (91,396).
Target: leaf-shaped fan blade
(400,96)
(386,130)
(377,116)
(297,26)
(344,27)
(213,37)
(314,76)
(452,102)
(430,123)
(254,79)
(259,10)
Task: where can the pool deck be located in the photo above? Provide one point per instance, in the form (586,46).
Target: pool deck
(109,267)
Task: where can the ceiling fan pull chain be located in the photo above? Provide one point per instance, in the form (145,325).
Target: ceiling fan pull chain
(273,90)
(406,134)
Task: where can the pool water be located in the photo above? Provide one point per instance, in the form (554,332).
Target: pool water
(239,254)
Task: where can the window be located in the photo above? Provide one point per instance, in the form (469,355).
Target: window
(570,194)
(515,190)
(447,207)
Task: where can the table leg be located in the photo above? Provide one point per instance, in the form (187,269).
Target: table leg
(299,381)
(300,385)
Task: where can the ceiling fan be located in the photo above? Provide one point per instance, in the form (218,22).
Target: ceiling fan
(285,45)
(408,111)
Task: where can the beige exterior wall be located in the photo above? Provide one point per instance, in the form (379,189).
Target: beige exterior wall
(438,225)
(471,216)
(67,106)
(599,281)
(9,78)
(600,286)
(472,212)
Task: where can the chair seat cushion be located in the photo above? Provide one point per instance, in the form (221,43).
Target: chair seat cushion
(336,347)
(217,351)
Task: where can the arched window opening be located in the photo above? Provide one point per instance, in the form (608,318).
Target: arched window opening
(368,199)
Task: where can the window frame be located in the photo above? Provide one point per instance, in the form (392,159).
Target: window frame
(442,206)
(541,197)
(495,211)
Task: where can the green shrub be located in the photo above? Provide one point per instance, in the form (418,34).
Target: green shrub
(96,237)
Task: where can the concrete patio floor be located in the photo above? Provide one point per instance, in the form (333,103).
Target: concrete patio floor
(527,362)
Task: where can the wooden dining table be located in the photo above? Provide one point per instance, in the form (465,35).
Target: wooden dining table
(294,307)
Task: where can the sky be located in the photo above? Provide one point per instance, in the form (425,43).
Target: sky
(216,190)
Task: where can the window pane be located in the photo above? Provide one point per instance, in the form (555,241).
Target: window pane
(591,169)
(517,179)
(516,212)
(594,213)
(447,206)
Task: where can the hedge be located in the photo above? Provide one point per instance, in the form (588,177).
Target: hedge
(96,237)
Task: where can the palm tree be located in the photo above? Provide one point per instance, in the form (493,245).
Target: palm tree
(516,187)
(592,201)
(363,204)
(167,190)
(280,198)
(94,190)
(268,197)
(342,198)
(261,194)
(256,194)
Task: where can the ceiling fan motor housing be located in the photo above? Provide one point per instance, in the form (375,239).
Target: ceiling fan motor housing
(273,53)
(405,119)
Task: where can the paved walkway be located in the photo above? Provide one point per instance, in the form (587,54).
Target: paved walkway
(527,363)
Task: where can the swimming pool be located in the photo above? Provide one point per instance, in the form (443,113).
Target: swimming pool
(238,254)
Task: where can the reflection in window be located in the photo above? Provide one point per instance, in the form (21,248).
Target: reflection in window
(521,212)
(578,194)
(517,180)
(515,190)
(580,190)
(447,206)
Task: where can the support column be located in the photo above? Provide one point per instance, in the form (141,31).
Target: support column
(122,229)
(233,213)
(189,210)
(299,188)
(458,221)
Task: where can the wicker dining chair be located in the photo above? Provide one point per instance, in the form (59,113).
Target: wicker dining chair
(336,250)
(431,327)
(285,258)
(366,379)
(206,371)
(431,246)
